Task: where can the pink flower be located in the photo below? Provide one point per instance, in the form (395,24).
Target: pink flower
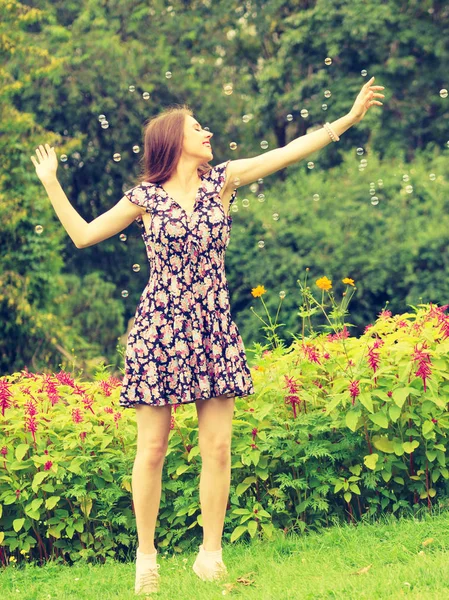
(48,465)
(77,416)
(354,390)
(65,378)
(105,387)
(83,435)
(340,335)
(311,353)
(292,399)
(423,359)
(385,314)
(117,416)
(31,425)
(30,408)
(5,395)
(254,433)
(108,409)
(52,390)
(172,422)
(4,451)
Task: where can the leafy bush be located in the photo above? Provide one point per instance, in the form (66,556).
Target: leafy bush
(340,427)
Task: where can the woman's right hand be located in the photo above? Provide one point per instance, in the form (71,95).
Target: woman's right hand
(46,163)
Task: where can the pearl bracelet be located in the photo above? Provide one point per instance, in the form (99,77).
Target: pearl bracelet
(333,136)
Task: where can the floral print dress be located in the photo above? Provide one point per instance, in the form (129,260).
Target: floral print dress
(184,345)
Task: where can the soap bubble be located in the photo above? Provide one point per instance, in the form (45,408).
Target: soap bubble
(405,178)
(260,181)
(363,162)
(360,151)
(363,73)
(316,197)
(146,96)
(117,157)
(310,165)
(228,89)
(275,217)
(409,189)
(374,200)
(132,88)
(264,145)
(122,237)
(328,61)
(282,294)
(136,268)
(304,113)
(327,94)
(380,183)
(254,187)
(443,93)
(324,106)
(39,229)
(136,149)
(234,208)
(168,75)
(233,146)
(246,118)
(63,157)
(261,197)
(372,192)
(104,124)
(261,243)
(289,117)
(236,181)
(101,118)
(125,294)
(447,144)
(432,176)
(245,202)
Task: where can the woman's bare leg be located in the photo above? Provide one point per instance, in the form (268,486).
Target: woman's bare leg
(153,428)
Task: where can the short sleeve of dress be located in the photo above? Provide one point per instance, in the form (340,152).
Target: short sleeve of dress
(218,175)
(140,195)
(143,196)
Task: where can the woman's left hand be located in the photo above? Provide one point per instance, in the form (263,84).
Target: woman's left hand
(366,99)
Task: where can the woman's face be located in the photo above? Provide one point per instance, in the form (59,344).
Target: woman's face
(196,143)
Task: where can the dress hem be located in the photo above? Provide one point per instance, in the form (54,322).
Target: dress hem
(239,395)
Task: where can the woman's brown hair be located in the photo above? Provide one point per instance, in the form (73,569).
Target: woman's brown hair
(163,138)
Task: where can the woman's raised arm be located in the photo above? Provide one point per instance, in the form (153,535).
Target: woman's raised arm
(244,171)
(83,234)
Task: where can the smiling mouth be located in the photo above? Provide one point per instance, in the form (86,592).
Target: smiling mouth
(207,144)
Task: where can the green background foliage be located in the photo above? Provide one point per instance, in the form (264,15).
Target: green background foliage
(64,63)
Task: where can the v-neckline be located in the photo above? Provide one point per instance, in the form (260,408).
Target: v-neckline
(189,216)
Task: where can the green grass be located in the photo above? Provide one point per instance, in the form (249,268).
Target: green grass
(317,566)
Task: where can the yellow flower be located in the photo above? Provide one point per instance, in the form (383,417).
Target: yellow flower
(348,281)
(324,283)
(258,291)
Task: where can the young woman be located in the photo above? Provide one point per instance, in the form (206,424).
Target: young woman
(184,347)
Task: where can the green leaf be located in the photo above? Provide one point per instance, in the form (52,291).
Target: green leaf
(394,412)
(38,479)
(366,400)
(355,488)
(380,419)
(347,496)
(17,524)
(431,455)
(52,501)
(238,531)
(352,418)
(370,460)
(383,444)
(400,395)
(427,427)
(409,447)
(252,528)
(21,450)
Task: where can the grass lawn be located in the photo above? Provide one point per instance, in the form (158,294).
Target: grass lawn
(388,560)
